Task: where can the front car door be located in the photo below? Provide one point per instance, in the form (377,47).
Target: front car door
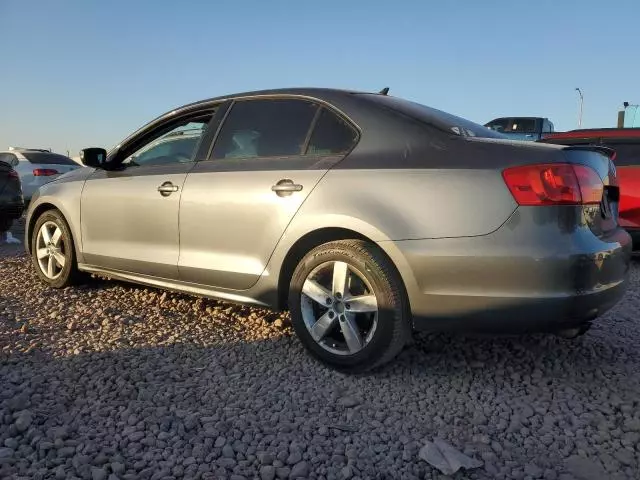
(268,156)
(129,211)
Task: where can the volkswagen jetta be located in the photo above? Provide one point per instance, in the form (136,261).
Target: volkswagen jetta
(367,216)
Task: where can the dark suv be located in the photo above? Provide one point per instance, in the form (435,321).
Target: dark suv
(11,201)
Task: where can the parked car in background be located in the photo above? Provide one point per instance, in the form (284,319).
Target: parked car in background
(11,201)
(37,167)
(521,128)
(626,143)
(367,216)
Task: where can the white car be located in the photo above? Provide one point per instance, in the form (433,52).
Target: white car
(37,167)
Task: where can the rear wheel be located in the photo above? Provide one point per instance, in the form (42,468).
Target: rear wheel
(348,306)
(52,250)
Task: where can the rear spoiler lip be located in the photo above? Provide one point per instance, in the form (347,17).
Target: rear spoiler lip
(610,153)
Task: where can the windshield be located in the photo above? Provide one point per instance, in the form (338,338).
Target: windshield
(437,118)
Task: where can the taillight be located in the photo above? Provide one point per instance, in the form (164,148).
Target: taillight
(554,184)
(44,172)
(13,174)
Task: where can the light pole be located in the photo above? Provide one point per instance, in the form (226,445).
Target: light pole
(581,103)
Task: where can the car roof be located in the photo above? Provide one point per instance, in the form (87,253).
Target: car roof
(586,133)
(315,92)
(328,95)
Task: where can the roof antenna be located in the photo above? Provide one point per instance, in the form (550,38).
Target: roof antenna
(384,91)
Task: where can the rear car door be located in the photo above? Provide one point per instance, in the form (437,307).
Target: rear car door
(268,156)
(129,213)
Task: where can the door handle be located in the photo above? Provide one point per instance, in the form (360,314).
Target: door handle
(167,188)
(286,187)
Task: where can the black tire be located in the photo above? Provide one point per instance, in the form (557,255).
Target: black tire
(393,328)
(69,274)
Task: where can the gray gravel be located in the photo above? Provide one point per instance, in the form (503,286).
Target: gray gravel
(112,381)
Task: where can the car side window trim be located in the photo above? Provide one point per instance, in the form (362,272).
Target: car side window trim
(349,125)
(125,151)
(227,107)
(312,127)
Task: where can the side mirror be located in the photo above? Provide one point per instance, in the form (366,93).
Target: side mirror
(93,157)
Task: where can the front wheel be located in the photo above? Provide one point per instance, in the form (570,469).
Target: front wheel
(348,306)
(52,250)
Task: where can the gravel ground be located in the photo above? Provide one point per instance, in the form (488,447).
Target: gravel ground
(113,381)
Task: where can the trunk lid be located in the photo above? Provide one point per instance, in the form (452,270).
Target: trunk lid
(603,217)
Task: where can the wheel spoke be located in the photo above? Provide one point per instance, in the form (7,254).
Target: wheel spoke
(351,333)
(320,329)
(50,265)
(316,292)
(340,275)
(57,234)
(60,259)
(46,236)
(362,304)
(42,253)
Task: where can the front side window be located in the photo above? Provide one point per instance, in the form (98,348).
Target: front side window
(264,128)
(331,135)
(176,146)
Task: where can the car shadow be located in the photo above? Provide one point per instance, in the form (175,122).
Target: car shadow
(183,393)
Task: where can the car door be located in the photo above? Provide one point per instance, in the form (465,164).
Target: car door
(268,156)
(129,212)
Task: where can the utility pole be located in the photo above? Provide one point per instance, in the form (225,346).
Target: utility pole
(581,105)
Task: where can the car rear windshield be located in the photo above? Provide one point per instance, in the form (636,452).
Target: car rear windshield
(48,158)
(437,118)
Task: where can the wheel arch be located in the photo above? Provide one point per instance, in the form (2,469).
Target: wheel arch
(315,238)
(33,217)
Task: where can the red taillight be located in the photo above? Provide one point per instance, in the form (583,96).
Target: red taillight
(44,172)
(554,184)
(13,174)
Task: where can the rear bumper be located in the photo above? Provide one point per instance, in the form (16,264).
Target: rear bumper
(527,276)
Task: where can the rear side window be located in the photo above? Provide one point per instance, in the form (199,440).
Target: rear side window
(331,135)
(265,128)
(47,158)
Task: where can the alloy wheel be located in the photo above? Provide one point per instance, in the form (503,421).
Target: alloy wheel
(339,308)
(51,250)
